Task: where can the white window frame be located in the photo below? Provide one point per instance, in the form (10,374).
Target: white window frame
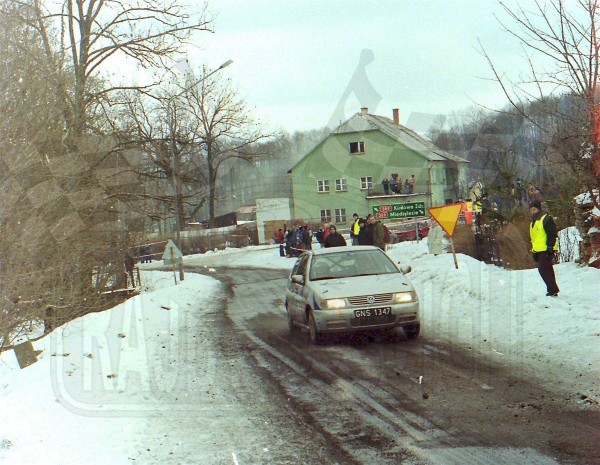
(326,216)
(340,215)
(366,183)
(341,185)
(323,185)
(359,145)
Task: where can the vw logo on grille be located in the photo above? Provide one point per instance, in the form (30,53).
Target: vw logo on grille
(371,299)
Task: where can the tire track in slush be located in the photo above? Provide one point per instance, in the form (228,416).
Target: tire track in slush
(413,439)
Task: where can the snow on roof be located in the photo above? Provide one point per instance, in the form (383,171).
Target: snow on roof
(367,122)
(246,209)
(362,122)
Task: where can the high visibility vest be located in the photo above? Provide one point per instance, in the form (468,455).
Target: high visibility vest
(538,236)
(356,227)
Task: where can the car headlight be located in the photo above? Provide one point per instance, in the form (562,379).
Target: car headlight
(334,303)
(405,297)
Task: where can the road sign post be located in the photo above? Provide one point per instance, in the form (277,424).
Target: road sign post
(447,217)
(173,256)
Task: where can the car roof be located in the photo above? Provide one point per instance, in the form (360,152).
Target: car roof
(348,248)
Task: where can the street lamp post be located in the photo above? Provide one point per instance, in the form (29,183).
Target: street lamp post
(173,164)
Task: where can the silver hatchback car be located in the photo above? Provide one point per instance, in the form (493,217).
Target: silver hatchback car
(350,289)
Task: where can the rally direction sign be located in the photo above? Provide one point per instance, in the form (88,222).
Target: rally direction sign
(403,210)
(447,217)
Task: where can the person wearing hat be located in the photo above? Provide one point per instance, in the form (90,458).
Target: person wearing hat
(334,238)
(543,234)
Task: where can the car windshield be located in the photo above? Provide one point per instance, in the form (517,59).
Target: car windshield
(350,263)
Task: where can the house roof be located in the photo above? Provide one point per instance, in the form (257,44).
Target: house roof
(246,209)
(407,137)
(363,121)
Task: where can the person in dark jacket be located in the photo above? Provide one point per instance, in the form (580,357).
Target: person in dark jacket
(543,234)
(320,237)
(368,235)
(334,238)
(129,267)
(363,233)
(378,232)
(307,236)
(288,242)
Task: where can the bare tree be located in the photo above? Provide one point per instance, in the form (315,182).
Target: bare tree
(224,129)
(63,175)
(561,38)
(163,130)
(95,33)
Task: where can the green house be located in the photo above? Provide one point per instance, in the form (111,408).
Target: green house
(346,173)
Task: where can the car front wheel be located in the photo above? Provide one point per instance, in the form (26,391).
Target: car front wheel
(412,331)
(315,336)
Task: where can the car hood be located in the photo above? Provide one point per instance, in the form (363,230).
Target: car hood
(362,285)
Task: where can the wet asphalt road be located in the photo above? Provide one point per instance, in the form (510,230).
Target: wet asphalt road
(391,400)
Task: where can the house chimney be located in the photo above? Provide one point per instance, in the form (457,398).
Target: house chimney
(364,110)
(396,113)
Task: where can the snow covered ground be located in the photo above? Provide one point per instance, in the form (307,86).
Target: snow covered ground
(101,379)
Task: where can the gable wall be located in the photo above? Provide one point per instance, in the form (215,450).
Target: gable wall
(331,160)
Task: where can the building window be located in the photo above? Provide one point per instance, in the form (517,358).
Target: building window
(340,215)
(341,185)
(326,216)
(323,186)
(366,182)
(357,147)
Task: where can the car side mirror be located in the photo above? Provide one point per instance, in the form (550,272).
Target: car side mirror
(405,268)
(298,279)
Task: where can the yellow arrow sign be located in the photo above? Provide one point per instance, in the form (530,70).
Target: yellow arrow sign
(446,216)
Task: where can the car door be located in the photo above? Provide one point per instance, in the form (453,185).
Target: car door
(296,302)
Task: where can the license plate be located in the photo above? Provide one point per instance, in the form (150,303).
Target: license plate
(372,312)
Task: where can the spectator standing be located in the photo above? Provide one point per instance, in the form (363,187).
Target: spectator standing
(146,252)
(354,229)
(142,251)
(297,246)
(280,239)
(288,242)
(406,187)
(378,232)
(411,184)
(393,186)
(325,231)
(368,236)
(278,236)
(386,186)
(363,233)
(543,234)
(307,237)
(519,191)
(334,238)
(129,267)
(320,237)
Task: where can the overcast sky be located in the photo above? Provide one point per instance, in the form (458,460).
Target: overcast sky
(304,64)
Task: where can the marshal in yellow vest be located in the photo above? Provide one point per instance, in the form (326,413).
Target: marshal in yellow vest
(538,235)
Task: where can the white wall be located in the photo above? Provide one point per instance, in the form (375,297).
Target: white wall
(270,210)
